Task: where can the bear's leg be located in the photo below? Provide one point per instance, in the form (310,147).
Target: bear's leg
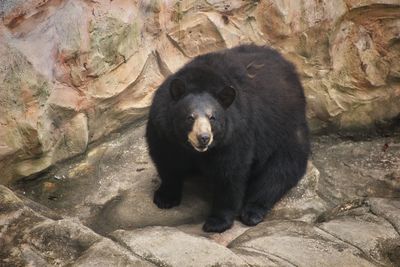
(169,193)
(227,201)
(280,174)
(171,167)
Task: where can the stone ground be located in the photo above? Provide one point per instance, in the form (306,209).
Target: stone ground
(97,210)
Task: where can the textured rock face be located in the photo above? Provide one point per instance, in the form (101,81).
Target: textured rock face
(74,71)
(29,238)
(97,210)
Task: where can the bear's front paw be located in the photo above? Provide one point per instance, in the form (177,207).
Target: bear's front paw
(251,216)
(164,200)
(218,225)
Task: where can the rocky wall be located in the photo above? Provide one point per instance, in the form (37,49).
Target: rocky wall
(73,71)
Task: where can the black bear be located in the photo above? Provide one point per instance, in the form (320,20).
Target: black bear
(237,117)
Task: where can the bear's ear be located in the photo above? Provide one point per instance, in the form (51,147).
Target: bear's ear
(226,96)
(177,88)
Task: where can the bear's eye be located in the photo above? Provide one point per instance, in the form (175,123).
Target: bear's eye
(212,118)
(190,118)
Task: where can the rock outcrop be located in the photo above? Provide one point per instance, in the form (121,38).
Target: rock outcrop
(97,210)
(72,72)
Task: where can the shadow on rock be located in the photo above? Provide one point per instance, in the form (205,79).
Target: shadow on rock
(135,208)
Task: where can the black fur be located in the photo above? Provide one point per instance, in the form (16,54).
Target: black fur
(261,137)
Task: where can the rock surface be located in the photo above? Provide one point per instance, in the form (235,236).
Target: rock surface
(97,210)
(74,71)
(170,247)
(295,244)
(28,238)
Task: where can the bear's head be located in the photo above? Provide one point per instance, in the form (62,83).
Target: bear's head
(199,108)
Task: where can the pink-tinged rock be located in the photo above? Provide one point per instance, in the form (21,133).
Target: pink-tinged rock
(198,36)
(352,4)
(104,59)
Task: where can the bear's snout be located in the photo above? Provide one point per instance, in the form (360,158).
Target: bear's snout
(200,137)
(203,138)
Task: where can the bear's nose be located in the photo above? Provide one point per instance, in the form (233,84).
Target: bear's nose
(203,138)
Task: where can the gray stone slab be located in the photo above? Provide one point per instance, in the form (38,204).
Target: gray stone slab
(166,246)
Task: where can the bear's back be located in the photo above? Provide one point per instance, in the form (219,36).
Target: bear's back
(269,100)
(262,77)
(253,70)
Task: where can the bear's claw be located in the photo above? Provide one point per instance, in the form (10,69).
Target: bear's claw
(251,217)
(218,225)
(164,201)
